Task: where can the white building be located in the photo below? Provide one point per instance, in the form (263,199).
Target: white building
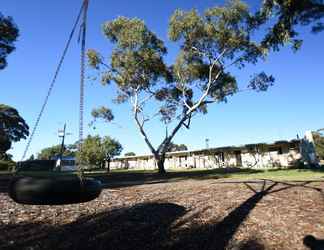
(260,155)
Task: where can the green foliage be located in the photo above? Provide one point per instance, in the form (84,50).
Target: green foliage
(102,113)
(285,16)
(176,147)
(6,165)
(222,35)
(93,58)
(6,162)
(136,61)
(54,151)
(8,35)
(95,150)
(129,154)
(12,128)
(319,144)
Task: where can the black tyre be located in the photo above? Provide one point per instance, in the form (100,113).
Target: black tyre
(53,190)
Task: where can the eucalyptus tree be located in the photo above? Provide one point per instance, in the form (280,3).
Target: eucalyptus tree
(285,16)
(8,35)
(211,44)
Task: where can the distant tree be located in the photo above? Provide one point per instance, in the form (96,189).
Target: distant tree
(319,143)
(211,45)
(13,128)
(130,154)
(54,151)
(96,150)
(177,147)
(31,158)
(8,35)
(285,16)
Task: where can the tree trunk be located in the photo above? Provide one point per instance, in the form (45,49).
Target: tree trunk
(160,159)
(108,165)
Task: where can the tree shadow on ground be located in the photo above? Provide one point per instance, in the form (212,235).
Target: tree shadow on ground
(144,226)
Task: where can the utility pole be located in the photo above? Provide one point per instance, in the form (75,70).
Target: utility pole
(61,134)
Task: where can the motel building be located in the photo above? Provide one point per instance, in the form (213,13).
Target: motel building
(279,154)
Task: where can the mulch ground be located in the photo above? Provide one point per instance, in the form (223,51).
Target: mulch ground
(187,214)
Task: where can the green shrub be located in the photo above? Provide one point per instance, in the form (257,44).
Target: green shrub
(6,165)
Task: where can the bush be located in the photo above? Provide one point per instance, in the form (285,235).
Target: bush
(6,165)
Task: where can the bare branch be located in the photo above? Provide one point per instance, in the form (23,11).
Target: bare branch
(234,62)
(202,53)
(205,94)
(142,102)
(210,81)
(220,55)
(163,146)
(209,56)
(139,124)
(153,116)
(184,98)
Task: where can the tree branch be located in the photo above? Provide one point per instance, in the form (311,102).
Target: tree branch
(163,146)
(142,102)
(205,94)
(210,81)
(140,126)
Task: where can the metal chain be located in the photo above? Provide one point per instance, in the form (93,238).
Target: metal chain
(82,78)
(52,83)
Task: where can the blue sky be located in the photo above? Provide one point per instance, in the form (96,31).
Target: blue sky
(295,104)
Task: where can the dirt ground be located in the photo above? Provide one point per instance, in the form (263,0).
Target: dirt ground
(184,214)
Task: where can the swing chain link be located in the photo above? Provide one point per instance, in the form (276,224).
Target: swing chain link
(82,79)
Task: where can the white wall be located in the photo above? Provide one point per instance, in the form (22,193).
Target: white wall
(214,160)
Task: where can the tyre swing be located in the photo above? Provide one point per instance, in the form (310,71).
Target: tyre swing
(55,187)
